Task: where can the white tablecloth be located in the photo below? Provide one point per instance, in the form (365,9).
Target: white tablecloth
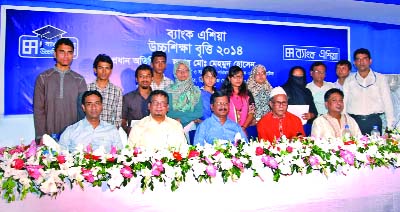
(360,190)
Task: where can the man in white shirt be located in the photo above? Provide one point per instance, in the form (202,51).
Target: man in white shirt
(318,86)
(333,123)
(157,131)
(367,94)
(343,68)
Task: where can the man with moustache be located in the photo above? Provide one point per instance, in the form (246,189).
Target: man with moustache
(112,94)
(135,103)
(333,123)
(157,131)
(91,130)
(367,95)
(56,96)
(218,126)
(279,122)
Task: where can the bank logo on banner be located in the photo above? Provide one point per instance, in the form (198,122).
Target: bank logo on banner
(311,53)
(41,45)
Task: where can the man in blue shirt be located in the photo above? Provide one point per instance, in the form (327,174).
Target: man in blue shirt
(218,126)
(91,130)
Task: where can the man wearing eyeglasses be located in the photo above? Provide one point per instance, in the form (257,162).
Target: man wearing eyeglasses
(112,94)
(218,126)
(319,86)
(367,95)
(279,122)
(157,131)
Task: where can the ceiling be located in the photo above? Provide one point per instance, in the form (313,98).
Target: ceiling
(376,11)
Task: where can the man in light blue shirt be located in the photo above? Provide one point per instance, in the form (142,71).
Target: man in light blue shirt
(218,126)
(91,130)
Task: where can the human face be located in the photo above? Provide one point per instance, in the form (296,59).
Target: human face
(298,73)
(159,64)
(144,78)
(158,106)
(335,103)
(260,76)
(279,105)
(362,62)
(103,70)
(182,72)
(209,80)
(220,106)
(92,107)
(342,71)
(318,73)
(237,79)
(64,55)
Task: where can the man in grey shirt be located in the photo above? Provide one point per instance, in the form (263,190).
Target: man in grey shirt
(56,94)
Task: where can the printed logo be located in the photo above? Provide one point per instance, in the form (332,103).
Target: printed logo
(41,45)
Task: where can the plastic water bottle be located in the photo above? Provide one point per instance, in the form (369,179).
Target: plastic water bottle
(375,132)
(346,132)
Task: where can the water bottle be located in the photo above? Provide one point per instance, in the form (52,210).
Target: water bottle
(346,132)
(54,136)
(375,132)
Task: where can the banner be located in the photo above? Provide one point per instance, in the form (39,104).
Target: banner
(129,40)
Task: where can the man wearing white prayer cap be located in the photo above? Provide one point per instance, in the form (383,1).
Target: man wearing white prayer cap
(279,122)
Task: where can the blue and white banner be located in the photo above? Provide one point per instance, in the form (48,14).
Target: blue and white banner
(31,33)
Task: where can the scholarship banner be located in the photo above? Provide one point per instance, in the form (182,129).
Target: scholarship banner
(30,35)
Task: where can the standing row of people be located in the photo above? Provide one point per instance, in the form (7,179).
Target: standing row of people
(58,100)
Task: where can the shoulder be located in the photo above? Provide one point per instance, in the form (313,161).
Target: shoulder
(291,116)
(265,118)
(115,87)
(173,122)
(76,74)
(329,85)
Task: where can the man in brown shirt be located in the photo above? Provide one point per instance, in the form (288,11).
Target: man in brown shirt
(56,94)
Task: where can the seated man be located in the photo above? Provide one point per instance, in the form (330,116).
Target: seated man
(91,130)
(278,121)
(157,131)
(333,123)
(218,126)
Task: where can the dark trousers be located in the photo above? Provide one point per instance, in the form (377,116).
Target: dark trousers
(366,123)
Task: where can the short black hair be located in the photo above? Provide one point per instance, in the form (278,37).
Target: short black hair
(65,41)
(158,92)
(332,91)
(361,51)
(91,92)
(102,58)
(143,67)
(317,63)
(217,94)
(158,54)
(344,62)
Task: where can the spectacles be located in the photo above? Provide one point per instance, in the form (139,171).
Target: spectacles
(319,72)
(162,104)
(221,103)
(280,103)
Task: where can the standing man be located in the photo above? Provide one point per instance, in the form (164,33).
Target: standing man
(91,130)
(279,122)
(135,103)
(112,94)
(56,94)
(159,64)
(343,68)
(157,131)
(218,126)
(367,94)
(318,86)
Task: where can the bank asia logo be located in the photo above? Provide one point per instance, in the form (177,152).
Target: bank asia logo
(41,45)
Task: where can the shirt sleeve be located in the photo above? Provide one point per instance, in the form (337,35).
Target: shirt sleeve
(39,114)
(387,101)
(118,117)
(200,135)
(65,139)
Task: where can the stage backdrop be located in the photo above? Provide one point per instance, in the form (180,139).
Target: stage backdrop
(30,35)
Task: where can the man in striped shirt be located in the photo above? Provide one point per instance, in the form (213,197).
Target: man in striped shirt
(159,64)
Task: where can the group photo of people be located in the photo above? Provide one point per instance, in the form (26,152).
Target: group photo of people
(169,112)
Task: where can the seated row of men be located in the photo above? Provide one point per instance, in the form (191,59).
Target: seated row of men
(157,130)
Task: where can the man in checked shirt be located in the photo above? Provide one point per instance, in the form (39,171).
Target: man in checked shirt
(112,94)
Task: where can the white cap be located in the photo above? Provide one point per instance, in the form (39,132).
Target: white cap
(276,91)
